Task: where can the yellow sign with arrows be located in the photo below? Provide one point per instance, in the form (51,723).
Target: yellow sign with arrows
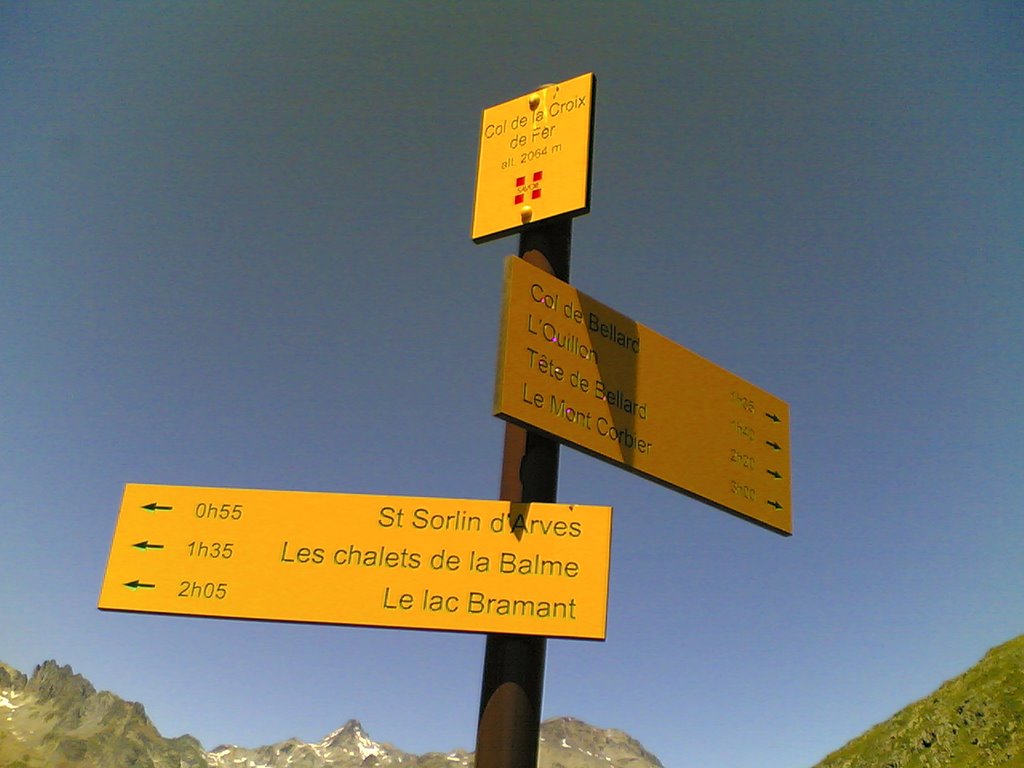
(589,376)
(386,561)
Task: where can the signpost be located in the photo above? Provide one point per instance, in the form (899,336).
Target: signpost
(578,370)
(416,563)
(534,161)
(533,176)
(573,370)
(523,569)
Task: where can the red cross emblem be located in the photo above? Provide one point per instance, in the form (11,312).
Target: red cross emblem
(533,188)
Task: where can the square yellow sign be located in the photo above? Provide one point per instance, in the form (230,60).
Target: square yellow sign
(534,162)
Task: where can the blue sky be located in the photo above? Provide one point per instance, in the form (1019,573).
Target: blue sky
(234,251)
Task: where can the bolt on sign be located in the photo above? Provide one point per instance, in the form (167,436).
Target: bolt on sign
(384,561)
(590,377)
(535,156)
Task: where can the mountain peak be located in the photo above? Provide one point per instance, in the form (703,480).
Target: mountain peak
(50,680)
(56,717)
(11,680)
(567,740)
(353,729)
(350,741)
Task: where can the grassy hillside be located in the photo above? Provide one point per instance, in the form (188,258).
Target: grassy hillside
(972,721)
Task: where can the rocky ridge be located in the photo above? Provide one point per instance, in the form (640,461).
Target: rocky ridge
(57,719)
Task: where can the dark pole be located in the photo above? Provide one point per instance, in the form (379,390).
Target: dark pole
(508,731)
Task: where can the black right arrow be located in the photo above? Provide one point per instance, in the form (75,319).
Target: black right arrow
(773,446)
(774,504)
(146,545)
(154,507)
(773,417)
(134,585)
(772,472)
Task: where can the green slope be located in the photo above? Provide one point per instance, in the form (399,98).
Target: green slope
(972,721)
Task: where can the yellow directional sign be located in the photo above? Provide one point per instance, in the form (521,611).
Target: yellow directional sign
(386,561)
(534,162)
(589,376)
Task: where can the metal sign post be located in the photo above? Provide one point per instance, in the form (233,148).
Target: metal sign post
(508,730)
(533,176)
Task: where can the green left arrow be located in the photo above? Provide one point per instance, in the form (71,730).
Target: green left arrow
(144,545)
(135,585)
